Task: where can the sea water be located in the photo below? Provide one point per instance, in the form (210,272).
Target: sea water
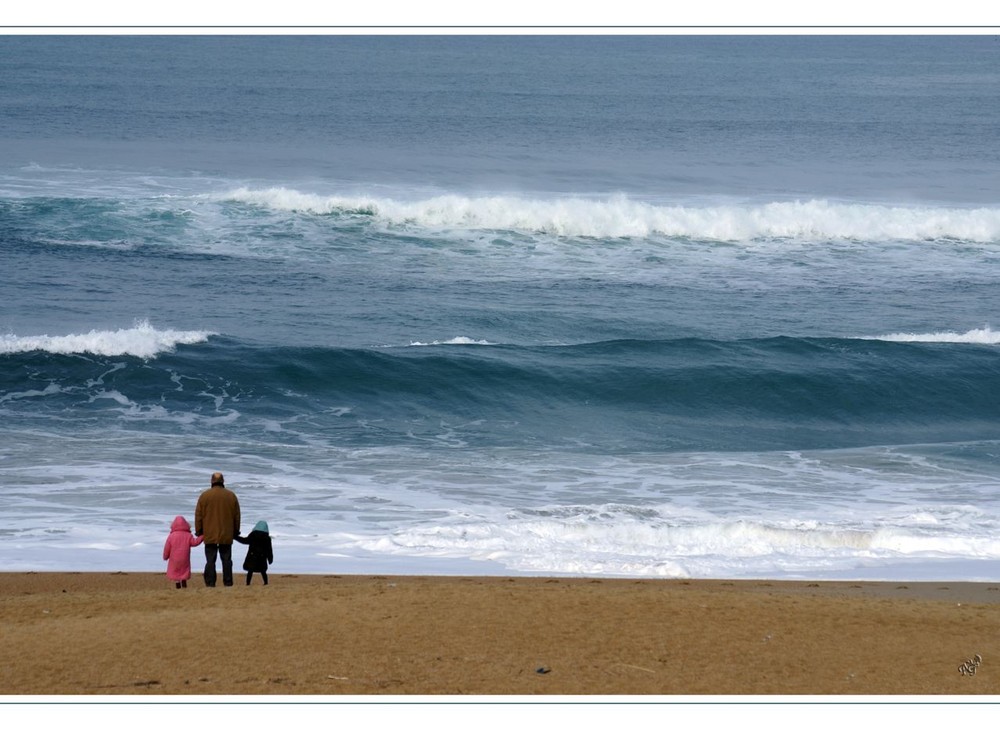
(679,306)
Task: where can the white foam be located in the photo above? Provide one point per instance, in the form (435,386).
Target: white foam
(614,540)
(612,545)
(620,216)
(452,341)
(141,340)
(860,514)
(50,389)
(982,336)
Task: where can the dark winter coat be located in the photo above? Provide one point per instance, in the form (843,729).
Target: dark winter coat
(217,516)
(259,554)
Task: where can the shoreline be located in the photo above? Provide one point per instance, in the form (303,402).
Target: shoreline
(133,633)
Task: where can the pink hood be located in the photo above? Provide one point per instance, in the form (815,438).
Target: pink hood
(177,549)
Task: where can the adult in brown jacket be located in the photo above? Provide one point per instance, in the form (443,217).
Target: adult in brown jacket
(217,519)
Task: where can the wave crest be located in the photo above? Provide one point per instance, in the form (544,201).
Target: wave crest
(619,216)
(982,336)
(141,340)
(460,340)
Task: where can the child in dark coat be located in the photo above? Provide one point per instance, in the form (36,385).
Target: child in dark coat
(259,554)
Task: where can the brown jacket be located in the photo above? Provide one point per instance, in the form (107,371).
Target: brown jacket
(217,516)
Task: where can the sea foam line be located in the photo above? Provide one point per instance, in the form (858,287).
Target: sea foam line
(619,216)
(982,336)
(616,542)
(141,340)
(460,340)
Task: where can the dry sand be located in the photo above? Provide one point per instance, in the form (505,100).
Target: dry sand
(135,634)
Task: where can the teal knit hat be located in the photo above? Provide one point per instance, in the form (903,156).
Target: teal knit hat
(261,526)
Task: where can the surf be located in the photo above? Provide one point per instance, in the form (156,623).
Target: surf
(141,340)
(665,541)
(619,216)
(979,336)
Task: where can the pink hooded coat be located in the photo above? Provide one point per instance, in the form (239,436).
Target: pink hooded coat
(177,550)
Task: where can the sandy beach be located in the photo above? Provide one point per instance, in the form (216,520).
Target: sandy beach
(135,634)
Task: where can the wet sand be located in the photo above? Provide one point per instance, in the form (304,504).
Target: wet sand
(135,634)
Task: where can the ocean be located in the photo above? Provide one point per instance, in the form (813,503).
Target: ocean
(651,306)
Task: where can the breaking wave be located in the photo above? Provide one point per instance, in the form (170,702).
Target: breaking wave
(141,340)
(982,336)
(620,216)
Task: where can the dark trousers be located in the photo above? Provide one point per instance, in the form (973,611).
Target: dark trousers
(263,574)
(226,553)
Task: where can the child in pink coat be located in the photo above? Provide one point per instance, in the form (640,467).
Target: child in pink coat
(177,551)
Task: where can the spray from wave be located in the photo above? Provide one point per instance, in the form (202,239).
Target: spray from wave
(141,340)
(619,216)
(982,336)
(460,340)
